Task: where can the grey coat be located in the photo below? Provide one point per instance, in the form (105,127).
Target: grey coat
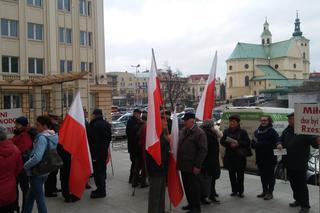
(192,149)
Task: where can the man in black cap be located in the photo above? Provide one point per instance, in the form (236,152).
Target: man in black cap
(192,150)
(133,125)
(99,141)
(296,162)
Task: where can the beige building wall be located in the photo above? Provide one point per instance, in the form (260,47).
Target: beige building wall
(52,51)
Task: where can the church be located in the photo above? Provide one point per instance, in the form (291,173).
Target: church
(269,67)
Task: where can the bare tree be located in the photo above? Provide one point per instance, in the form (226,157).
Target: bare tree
(174,87)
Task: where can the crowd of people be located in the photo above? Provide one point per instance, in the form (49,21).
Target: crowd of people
(197,160)
(20,154)
(199,165)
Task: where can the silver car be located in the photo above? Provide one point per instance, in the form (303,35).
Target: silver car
(118,130)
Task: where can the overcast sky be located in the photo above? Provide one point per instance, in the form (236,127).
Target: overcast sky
(186,33)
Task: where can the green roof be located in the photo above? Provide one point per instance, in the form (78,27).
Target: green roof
(269,73)
(287,83)
(274,50)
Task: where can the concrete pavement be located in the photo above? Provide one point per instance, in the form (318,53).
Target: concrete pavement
(120,200)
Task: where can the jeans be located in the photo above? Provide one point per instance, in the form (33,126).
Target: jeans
(36,194)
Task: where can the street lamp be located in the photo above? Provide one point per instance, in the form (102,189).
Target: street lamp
(136,66)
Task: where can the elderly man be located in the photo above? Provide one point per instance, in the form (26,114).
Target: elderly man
(296,162)
(192,151)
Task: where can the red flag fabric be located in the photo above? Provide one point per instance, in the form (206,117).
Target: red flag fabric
(154,124)
(73,138)
(206,103)
(175,190)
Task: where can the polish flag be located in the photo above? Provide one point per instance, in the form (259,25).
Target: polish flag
(175,190)
(206,104)
(73,138)
(154,124)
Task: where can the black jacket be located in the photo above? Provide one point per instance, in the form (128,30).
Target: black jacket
(153,168)
(132,130)
(211,164)
(232,160)
(99,138)
(264,142)
(298,149)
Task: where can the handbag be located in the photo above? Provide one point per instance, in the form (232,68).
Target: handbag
(51,161)
(243,152)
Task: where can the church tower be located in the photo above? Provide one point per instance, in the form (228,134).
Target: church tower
(266,36)
(297,31)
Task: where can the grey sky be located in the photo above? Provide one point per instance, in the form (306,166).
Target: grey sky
(186,33)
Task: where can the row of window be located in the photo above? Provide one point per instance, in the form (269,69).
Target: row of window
(9,28)
(85,6)
(276,66)
(10,64)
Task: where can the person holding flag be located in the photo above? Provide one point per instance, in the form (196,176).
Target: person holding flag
(192,151)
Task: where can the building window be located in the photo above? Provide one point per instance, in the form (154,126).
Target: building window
(276,66)
(254,83)
(11,101)
(34,3)
(230,67)
(90,67)
(31,105)
(262,41)
(10,64)
(35,66)
(304,55)
(69,66)
(230,82)
(268,41)
(269,85)
(85,8)
(254,93)
(9,28)
(85,38)
(84,66)
(35,31)
(260,83)
(62,66)
(246,81)
(294,66)
(67,98)
(305,44)
(64,5)
(65,35)
(246,66)
(301,44)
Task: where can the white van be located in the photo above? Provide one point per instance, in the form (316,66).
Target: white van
(250,121)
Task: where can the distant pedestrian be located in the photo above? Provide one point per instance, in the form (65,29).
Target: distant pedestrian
(264,141)
(192,151)
(133,138)
(23,141)
(158,173)
(99,141)
(10,167)
(45,139)
(296,162)
(237,146)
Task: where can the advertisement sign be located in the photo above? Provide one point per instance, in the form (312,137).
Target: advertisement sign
(307,119)
(7,118)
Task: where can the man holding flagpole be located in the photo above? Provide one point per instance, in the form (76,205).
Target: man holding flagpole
(192,151)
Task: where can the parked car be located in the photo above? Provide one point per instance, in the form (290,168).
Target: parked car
(118,130)
(124,118)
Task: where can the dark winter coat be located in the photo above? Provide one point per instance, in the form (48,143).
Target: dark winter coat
(192,149)
(10,167)
(99,138)
(152,167)
(232,160)
(298,149)
(23,141)
(264,142)
(211,164)
(132,130)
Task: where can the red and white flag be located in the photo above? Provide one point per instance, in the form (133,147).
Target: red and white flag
(154,124)
(73,138)
(175,190)
(206,103)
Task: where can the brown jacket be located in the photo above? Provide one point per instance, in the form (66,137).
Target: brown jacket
(192,149)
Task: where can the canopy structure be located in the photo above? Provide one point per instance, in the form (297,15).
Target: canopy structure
(42,80)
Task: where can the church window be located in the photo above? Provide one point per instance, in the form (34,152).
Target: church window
(254,83)
(262,41)
(305,44)
(246,66)
(246,81)
(230,67)
(268,41)
(276,66)
(230,82)
(304,55)
(294,66)
(301,44)
(259,82)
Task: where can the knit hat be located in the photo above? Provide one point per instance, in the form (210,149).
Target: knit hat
(234,117)
(22,120)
